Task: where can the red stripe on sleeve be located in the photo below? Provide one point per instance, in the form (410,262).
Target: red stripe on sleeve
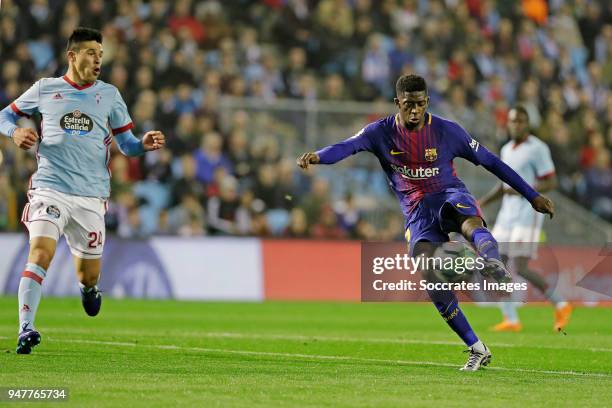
(17,111)
(545,176)
(33,276)
(432,137)
(407,147)
(419,149)
(123,128)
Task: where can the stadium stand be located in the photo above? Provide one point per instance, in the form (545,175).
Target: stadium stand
(241,87)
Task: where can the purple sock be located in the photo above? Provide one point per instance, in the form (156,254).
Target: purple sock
(485,244)
(447,304)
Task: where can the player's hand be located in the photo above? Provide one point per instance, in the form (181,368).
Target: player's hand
(307,159)
(153,140)
(543,205)
(25,138)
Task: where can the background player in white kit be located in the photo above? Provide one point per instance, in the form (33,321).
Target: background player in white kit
(80,114)
(518,227)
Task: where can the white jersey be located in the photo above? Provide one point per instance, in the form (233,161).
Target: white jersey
(76,133)
(532,161)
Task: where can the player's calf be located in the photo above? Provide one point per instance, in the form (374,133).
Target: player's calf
(473,229)
(29,294)
(42,249)
(88,273)
(488,248)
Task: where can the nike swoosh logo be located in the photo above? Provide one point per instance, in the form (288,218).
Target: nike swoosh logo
(393,152)
(459,205)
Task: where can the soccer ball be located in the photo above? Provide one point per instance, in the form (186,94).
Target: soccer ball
(454,261)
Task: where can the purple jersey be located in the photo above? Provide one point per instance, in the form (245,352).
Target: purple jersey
(421,162)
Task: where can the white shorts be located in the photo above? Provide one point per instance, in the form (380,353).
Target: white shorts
(519,240)
(50,213)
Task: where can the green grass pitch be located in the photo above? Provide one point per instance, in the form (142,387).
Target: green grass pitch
(168,353)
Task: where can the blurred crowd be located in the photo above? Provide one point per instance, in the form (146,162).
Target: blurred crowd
(175,61)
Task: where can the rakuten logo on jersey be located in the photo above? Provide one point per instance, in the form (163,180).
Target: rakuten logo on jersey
(76,123)
(419,173)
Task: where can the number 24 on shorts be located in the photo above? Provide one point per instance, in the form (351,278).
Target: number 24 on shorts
(95,239)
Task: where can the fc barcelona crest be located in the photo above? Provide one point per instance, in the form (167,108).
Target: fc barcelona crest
(431,154)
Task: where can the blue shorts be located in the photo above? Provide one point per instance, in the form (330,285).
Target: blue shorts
(434,216)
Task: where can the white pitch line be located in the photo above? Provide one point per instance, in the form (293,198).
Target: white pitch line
(318,357)
(328,357)
(255,336)
(385,340)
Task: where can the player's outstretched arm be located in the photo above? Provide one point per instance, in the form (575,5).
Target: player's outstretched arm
(505,173)
(153,140)
(468,148)
(132,146)
(512,178)
(307,159)
(332,154)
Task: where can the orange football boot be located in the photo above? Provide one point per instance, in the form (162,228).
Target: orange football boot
(562,317)
(507,326)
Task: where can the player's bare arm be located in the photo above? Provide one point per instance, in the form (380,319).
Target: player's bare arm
(25,138)
(153,140)
(493,195)
(307,159)
(541,203)
(547,184)
(511,191)
(544,185)
(544,205)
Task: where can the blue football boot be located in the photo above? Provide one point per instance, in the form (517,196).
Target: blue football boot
(91,298)
(26,340)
